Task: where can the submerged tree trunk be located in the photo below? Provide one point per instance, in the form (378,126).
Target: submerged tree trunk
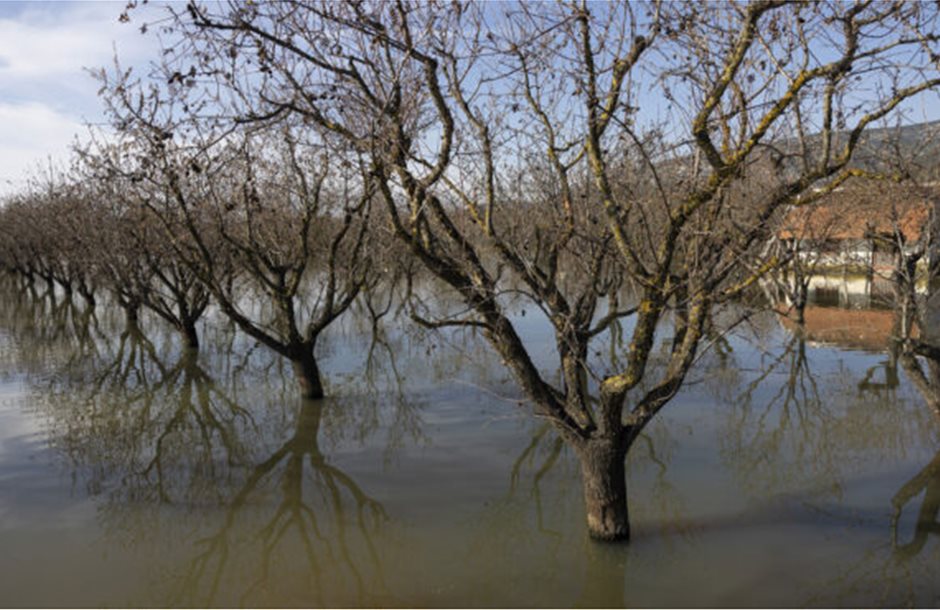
(308,373)
(801,296)
(905,294)
(88,294)
(132,314)
(603,478)
(31,288)
(800,307)
(190,335)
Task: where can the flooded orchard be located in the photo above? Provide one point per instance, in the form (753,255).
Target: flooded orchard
(388,304)
(793,469)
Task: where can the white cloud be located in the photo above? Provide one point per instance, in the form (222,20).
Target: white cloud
(32,50)
(46,92)
(31,134)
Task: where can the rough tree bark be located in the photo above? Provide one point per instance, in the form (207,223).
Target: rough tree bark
(307,371)
(604,484)
(190,334)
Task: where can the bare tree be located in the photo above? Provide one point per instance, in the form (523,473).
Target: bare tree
(268,224)
(804,241)
(140,264)
(39,227)
(457,110)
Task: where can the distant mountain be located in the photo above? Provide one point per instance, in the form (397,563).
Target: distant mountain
(914,148)
(917,145)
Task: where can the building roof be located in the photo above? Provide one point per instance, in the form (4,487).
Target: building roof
(862,329)
(862,211)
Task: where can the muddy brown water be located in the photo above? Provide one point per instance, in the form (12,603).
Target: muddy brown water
(786,473)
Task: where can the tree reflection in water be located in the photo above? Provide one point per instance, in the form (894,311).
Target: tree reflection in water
(927,481)
(794,428)
(900,572)
(174,455)
(813,436)
(533,519)
(313,510)
(235,492)
(39,328)
(788,428)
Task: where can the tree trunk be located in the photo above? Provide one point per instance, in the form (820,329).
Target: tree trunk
(308,373)
(802,297)
(190,335)
(132,314)
(905,295)
(604,483)
(800,307)
(87,294)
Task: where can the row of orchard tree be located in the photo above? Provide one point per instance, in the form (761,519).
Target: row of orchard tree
(281,158)
(269,230)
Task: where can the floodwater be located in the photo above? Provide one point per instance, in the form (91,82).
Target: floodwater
(787,473)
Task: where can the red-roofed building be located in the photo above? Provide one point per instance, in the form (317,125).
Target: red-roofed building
(863,227)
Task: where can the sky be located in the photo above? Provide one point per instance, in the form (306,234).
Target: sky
(47,96)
